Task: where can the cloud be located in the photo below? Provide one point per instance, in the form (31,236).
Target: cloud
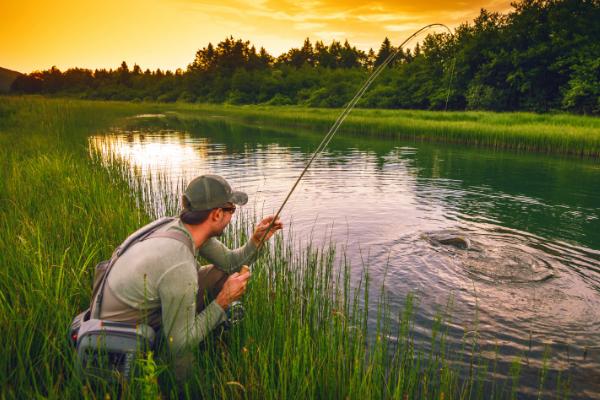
(328,36)
(382,17)
(166,33)
(403,27)
(351,11)
(359,21)
(305,26)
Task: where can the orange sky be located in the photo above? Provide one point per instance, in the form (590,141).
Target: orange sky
(166,33)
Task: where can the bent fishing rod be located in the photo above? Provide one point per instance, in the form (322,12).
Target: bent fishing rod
(346,111)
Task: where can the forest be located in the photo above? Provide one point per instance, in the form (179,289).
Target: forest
(540,56)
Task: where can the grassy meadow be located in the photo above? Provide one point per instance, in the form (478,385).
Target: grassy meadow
(305,332)
(543,133)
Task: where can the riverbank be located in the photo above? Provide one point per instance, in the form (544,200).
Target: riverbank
(305,334)
(561,134)
(527,132)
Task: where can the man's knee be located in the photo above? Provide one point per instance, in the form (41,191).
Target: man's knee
(209,276)
(210,283)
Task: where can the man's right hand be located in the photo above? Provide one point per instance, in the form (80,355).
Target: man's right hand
(233,288)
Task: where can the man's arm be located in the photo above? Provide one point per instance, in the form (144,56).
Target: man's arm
(228,260)
(184,328)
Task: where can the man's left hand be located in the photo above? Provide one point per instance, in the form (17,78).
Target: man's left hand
(262,227)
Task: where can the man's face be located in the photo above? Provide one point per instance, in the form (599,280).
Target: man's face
(222,218)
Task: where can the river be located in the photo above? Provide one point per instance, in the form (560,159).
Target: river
(529,281)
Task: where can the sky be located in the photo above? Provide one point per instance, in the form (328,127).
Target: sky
(167,33)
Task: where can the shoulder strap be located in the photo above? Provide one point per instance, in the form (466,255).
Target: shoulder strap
(142,234)
(137,236)
(176,235)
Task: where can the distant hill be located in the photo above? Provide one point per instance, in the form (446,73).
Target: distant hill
(6,79)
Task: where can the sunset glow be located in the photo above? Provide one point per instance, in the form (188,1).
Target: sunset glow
(166,33)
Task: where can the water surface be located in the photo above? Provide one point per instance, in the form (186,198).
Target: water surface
(530,280)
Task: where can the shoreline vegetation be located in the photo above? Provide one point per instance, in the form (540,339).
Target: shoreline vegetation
(543,133)
(305,334)
(557,134)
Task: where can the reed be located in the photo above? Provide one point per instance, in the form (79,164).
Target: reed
(305,334)
(58,216)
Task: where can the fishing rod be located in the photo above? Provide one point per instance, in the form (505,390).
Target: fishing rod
(346,111)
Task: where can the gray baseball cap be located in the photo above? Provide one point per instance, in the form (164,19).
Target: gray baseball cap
(211,191)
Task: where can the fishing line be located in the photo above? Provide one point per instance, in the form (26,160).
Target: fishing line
(450,82)
(349,107)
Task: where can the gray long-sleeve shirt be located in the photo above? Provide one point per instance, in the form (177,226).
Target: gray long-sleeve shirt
(157,280)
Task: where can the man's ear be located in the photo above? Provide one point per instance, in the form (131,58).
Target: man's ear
(215,214)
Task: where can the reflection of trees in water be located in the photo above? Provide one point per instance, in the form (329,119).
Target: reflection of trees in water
(543,195)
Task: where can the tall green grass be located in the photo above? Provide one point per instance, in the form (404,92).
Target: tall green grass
(544,133)
(58,216)
(305,334)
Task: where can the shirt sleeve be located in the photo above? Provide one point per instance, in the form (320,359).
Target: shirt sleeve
(183,328)
(225,259)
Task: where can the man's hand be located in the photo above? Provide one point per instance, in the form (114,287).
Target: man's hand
(261,228)
(233,288)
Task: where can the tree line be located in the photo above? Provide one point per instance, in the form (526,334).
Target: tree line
(543,55)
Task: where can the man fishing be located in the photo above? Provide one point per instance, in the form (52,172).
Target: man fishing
(153,277)
(158,280)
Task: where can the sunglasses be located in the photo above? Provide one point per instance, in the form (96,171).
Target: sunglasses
(230,209)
